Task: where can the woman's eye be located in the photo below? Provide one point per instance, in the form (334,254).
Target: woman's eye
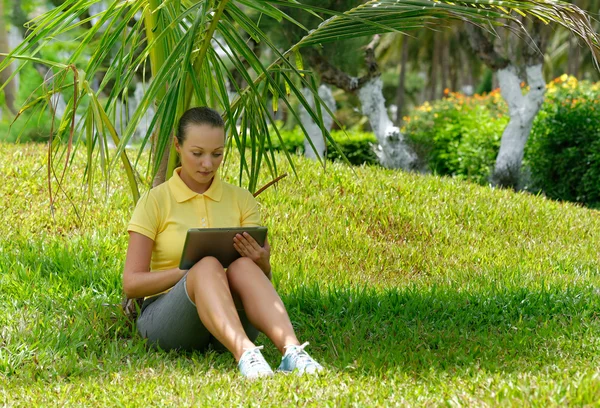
(197,154)
(217,154)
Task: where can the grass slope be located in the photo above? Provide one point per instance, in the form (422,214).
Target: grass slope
(411,289)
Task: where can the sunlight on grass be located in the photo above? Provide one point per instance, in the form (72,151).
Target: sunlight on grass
(411,289)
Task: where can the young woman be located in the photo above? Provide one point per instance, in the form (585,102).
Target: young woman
(206,305)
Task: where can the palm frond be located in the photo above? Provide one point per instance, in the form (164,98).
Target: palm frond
(192,48)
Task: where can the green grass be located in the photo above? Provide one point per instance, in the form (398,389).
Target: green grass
(412,289)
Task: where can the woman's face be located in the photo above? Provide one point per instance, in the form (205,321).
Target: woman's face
(201,152)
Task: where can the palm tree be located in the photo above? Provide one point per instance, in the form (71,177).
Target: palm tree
(191,46)
(564,54)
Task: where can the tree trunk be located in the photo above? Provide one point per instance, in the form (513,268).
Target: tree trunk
(433,74)
(522,110)
(575,56)
(9,89)
(401,91)
(444,63)
(392,151)
(454,67)
(314,132)
(14,39)
(467,77)
(157,58)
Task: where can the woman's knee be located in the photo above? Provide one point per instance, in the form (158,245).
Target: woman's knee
(242,268)
(205,270)
(207,266)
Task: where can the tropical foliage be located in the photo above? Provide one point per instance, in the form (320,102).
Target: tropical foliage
(459,136)
(356,146)
(191,50)
(564,151)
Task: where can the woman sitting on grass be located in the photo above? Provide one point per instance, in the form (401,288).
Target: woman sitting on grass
(206,305)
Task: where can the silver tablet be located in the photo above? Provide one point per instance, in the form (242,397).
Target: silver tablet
(217,242)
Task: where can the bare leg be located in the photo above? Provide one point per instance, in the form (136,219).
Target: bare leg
(207,286)
(262,304)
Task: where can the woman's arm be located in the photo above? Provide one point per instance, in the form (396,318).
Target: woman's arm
(137,279)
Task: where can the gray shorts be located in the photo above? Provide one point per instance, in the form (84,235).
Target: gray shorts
(170,321)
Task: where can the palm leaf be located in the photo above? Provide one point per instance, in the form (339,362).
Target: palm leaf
(179,40)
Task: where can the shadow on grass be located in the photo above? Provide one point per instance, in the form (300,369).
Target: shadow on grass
(442,329)
(361,331)
(369,332)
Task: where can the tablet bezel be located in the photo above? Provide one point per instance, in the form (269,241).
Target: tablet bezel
(202,242)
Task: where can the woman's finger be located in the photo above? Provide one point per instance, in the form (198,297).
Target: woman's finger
(252,241)
(237,248)
(246,247)
(241,250)
(246,243)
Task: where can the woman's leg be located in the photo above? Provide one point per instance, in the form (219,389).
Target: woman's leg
(170,321)
(208,288)
(262,304)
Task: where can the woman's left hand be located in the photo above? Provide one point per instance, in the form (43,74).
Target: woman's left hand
(248,247)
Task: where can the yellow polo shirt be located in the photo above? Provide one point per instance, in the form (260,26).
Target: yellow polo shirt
(166,212)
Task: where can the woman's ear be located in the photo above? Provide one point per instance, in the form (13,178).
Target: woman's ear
(177,147)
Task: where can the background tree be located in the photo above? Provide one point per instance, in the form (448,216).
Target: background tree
(5,76)
(351,66)
(181,39)
(407,56)
(522,62)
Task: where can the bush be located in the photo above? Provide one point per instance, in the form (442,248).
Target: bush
(356,145)
(32,125)
(458,136)
(563,152)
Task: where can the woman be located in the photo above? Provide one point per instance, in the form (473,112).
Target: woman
(206,305)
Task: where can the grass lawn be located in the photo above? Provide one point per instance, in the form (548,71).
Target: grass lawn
(413,290)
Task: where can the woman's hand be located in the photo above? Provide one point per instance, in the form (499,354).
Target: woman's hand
(248,247)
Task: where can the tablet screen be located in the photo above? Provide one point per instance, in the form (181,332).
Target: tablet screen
(217,242)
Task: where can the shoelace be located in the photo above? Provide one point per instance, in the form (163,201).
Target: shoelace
(301,356)
(253,361)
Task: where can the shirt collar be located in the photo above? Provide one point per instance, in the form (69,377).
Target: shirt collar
(183,193)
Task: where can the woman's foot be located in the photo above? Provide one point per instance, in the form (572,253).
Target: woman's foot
(253,365)
(295,358)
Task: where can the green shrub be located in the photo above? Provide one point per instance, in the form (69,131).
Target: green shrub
(356,145)
(563,152)
(458,136)
(32,125)
(292,140)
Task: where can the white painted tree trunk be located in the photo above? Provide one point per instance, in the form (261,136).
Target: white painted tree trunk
(522,110)
(95,9)
(393,152)
(315,134)
(14,39)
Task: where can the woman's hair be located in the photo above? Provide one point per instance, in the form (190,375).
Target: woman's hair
(198,116)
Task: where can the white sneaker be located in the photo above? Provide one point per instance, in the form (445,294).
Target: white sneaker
(295,358)
(253,365)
